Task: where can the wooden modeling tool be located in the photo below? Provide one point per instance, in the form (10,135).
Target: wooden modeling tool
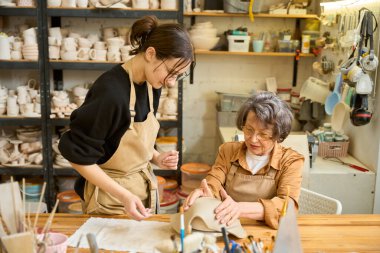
(39,206)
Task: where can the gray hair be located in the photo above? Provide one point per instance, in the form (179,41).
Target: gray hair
(269,110)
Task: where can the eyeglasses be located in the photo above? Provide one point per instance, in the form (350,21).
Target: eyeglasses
(249,132)
(177,77)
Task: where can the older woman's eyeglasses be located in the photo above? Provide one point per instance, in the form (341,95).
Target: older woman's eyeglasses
(177,77)
(250,132)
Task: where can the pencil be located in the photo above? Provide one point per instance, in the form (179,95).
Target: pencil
(182,224)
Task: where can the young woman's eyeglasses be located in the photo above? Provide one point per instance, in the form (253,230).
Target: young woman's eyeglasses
(249,132)
(174,76)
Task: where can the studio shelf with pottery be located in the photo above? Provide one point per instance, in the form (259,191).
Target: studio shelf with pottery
(270,54)
(18,11)
(82,65)
(20,64)
(245,15)
(112,13)
(21,171)
(204,37)
(19,120)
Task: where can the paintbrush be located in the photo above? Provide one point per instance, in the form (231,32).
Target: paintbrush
(182,231)
(285,206)
(39,206)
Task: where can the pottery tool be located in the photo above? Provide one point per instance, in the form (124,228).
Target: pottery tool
(91,238)
(9,202)
(78,244)
(47,225)
(15,212)
(182,227)
(226,241)
(338,160)
(39,206)
(23,205)
(285,206)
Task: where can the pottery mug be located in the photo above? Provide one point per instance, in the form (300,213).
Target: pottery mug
(54,52)
(83,53)
(98,54)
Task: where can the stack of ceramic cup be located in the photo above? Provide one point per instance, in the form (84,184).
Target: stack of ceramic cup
(3,99)
(5,52)
(16,53)
(30,47)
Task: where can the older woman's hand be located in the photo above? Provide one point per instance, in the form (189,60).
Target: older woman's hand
(202,191)
(228,211)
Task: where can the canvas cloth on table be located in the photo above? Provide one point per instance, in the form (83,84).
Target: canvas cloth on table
(122,234)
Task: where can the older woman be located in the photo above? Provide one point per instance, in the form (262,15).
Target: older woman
(253,177)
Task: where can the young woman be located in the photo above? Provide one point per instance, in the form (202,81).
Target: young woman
(252,177)
(112,135)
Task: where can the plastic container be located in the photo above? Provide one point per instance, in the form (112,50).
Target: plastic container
(192,175)
(294,98)
(231,102)
(181,195)
(65,199)
(285,46)
(170,203)
(75,208)
(161,182)
(238,43)
(65,183)
(284,93)
(170,185)
(32,192)
(239,6)
(168,143)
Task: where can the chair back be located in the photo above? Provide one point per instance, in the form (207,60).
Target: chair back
(315,203)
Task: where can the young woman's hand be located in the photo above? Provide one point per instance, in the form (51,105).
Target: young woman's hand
(134,208)
(202,191)
(228,211)
(167,160)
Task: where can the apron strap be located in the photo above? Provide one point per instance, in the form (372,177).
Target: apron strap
(148,175)
(231,174)
(271,172)
(150,94)
(132,95)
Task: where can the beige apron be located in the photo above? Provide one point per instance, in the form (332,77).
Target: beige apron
(129,166)
(250,188)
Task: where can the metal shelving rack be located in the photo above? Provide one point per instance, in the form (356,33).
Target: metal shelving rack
(42,13)
(33,170)
(58,66)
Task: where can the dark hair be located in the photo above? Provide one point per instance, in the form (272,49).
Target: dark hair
(169,40)
(269,110)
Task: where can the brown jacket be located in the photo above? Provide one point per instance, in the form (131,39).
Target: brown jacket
(287,162)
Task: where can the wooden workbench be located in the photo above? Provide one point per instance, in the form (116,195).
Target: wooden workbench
(319,233)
